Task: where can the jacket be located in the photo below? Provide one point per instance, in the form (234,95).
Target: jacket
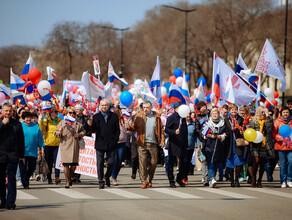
(83,120)
(48,128)
(33,139)
(139,124)
(279,145)
(191,135)
(177,143)
(12,141)
(107,132)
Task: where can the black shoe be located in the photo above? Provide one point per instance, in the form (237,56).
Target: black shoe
(236,184)
(270,179)
(172,185)
(232,184)
(133,176)
(10,206)
(181,184)
(2,205)
(26,187)
(101,186)
(220,179)
(107,181)
(67,187)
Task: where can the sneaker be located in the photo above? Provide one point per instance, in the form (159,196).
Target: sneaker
(115,182)
(144,186)
(289,184)
(185,181)
(19,183)
(284,185)
(212,183)
(241,179)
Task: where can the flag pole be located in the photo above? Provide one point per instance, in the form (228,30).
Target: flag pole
(89,91)
(285,47)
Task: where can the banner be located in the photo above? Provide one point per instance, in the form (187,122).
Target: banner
(87,158)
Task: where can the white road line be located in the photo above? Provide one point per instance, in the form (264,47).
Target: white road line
(176,193)
(125,194)
(72,194)
(226,193)
(272,192)
(24,195)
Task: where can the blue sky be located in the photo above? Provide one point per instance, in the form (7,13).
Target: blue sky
(27,22)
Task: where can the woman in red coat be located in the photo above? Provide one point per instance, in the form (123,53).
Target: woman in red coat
(285,150)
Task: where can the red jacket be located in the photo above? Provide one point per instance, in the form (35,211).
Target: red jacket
(279,145)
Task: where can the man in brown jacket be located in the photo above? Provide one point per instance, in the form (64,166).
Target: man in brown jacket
(150,134)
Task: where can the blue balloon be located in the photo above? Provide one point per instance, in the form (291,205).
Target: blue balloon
(285,131)
(177,73)
(187,77)
(209,98)
(126,98)
(202,80)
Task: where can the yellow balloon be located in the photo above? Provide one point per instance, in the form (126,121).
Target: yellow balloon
(250,135)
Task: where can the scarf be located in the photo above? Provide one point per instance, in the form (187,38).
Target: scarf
(215,124)
(288,119)
(262,123)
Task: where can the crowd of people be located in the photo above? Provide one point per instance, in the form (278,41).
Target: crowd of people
(28,134)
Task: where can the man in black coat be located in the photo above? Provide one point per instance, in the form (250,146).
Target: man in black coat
(107,128)
(176,128)
(11,152)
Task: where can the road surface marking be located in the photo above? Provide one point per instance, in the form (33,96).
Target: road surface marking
(176,193)
(272,192)
(72,194)
(125,194)
(24,195)
(226,193)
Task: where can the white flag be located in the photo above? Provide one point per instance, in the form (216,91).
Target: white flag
(93,86)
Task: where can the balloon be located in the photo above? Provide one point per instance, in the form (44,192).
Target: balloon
(163,91)
(285,131)
(269,93)
(263,104)
(259,137)
(126,98)
(75,88)
(2,97)
(34,75)
(179,81)
(268,104)
(114,90)
(93,106)
(172,79)
(202,80)
(209,98)
(177,73)
(183,111)
(43,87)
(164,98)
(274,102)
(250,135)
(70,87)
(276,94)
(278,101)
(131,86)
(138,82)
(187,77)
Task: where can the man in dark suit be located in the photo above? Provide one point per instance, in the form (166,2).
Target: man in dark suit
(176,128)
(11,151)
(106,125)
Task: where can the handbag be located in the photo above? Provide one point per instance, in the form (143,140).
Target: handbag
(81,143)
(44,167)
(201,156)
(239,142)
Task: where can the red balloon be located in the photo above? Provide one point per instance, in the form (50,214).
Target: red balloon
(172,79)
(93,106)
(268,104)
(131,86)
(75,89)
(34,75)
(276,94)
(274,102)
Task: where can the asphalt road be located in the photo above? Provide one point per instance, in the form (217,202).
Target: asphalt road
(128,201)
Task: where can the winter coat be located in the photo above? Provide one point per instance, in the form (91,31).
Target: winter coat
(11,141)
(107,132)
(139,124)
(69,145)
(191,135)
(279,145)
(177,143)
(48,128)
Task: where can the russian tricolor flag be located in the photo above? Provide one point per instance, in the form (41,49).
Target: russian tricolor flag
(15,81)
(29,65)
(155,82)
(47,108)
(200,95)
(5,90)
(112,76)
(217,89)
(126,114)
(18,95)
(185,91)
(175,95)
(69,120)
(51,75)
(206,130)
(240,65)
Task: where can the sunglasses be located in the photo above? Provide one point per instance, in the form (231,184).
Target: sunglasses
(74,113)
(55,111)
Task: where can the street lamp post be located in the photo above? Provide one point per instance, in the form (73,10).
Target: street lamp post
(186,11)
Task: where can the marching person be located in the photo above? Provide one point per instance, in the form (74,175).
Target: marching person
(107,128)
(150,134)
(176,128)
(70,131)
(11,151)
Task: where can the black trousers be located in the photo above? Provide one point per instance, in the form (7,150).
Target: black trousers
(10,168)
(182,168)
(110,154)
(51,153)
(27,169)
(134,157)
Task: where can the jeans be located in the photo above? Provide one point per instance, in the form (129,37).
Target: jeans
(51,153)
(118,159)
(100,163)
(134,158)
(27,169)
(11,187)
(212,169)
(285,157)
(270,167)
